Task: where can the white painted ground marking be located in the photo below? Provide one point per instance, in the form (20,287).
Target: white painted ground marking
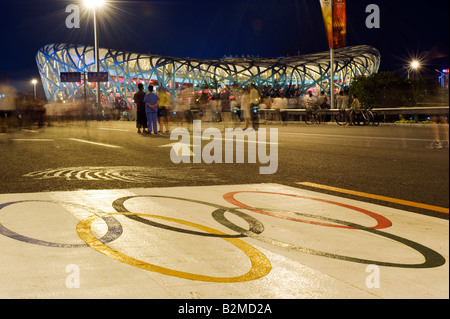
(95,143)
(113,129)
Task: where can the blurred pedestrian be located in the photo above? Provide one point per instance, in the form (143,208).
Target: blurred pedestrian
(322,100)
(309,101)
(40,112)
(276,105)
(141,117)
(225,106)
(439,121)
(340,101)
(7,105)
(245,106)
(254,103)
(163,110)
(284,108)
(151,110)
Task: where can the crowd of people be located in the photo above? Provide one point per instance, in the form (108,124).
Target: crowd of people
(248,105)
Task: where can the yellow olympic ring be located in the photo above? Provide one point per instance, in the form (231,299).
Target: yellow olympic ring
(260,263)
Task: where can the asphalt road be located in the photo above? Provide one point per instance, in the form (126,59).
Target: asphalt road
(390,161)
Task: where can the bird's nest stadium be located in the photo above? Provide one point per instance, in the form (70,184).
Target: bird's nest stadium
(126,70)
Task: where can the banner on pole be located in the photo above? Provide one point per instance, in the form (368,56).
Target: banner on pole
(335,18)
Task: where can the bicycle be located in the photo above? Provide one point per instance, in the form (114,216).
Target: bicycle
(373,117)
(312,116)
(360,118)
(342,118)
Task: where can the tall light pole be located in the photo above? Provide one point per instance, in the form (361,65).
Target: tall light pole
(93,5)
(332,59)
(34,82)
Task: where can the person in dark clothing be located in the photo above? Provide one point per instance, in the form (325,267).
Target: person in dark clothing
(141,117)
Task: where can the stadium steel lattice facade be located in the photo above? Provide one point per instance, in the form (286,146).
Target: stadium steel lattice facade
(127,69)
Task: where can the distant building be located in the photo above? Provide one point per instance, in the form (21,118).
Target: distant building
(126,70)
(443,79)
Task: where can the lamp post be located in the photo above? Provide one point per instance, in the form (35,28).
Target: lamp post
(34,82)
(93,5)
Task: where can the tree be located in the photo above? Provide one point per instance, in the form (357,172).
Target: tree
(384,90)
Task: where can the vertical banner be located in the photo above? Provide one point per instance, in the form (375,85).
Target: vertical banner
(335,18)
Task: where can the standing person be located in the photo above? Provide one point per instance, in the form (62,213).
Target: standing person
(439,121)
(284,107)
(245,107)
(225,105)
(40,112)
(141,117)
(7,105)
(309,101)
(355,108)
(340,101)
(254,103)
(322,105)
(345,100)
(276,104)
(163,112)
(151,110)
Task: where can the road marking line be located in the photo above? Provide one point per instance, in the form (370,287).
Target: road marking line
(362,137)
(113,129)
(33,140)
(378,197)
(94,143)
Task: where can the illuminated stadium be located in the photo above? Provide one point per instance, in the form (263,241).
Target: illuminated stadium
(126,70)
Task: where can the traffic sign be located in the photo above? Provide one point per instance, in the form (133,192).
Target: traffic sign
(70,76)
(98,77)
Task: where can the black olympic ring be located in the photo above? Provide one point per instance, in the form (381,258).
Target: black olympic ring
(255,226)
(114,228)
(432,258)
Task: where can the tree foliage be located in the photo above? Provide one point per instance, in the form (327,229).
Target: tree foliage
(384,90)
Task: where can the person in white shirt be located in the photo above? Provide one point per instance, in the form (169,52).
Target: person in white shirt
(277,102)
(245,106)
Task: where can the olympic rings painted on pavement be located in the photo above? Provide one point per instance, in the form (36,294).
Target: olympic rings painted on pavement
(114,228)
(432,258)
(382,222)
(255,226)
(260,264)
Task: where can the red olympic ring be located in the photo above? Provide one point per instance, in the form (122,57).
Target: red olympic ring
(382,222)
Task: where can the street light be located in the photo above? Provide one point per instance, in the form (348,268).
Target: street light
(34,82)
(93,5)
(413,66)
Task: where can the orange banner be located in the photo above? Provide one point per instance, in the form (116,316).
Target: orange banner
(335,18)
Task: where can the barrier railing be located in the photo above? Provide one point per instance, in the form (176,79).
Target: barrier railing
(400,110)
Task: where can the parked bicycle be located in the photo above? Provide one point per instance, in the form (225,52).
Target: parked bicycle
(372,117)
(342,118)
(312,116)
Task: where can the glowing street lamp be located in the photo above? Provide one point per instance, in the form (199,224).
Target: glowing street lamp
(414,66)
(93,5)
(34,82)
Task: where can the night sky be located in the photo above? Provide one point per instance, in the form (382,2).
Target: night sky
(214,29)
